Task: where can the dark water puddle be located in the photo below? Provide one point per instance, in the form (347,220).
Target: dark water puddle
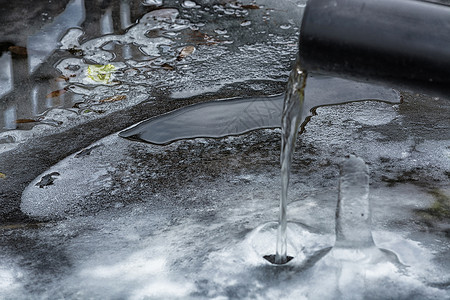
(213,119)
(230,117)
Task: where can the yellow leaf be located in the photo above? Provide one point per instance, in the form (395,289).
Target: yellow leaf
(100,73)
(2,176)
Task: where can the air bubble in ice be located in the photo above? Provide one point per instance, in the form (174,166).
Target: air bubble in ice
(189,4)
(152,2)
(220,31)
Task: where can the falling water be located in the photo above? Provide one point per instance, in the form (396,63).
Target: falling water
(291,120)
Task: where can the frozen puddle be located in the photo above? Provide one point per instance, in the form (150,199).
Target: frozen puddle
(201,244)
(178,221)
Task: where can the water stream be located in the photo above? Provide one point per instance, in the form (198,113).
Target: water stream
(351,228)
(291,120)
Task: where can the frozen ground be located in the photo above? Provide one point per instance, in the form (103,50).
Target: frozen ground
(134,220)
(87,214)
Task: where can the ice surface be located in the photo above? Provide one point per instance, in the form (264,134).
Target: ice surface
(387,142)
(192,210)
(132,252)
(166,21)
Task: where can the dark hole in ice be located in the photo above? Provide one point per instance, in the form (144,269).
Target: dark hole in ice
(47,180)
(230,117)
(271,258)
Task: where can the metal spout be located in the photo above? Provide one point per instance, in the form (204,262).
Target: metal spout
(403,43)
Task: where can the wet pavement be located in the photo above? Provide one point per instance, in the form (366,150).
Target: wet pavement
(87,214)
(57,107)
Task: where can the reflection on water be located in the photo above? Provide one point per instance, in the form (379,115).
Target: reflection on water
(29,85)
(34,101)
(6,74)
(24,83)
(10,116)
(106,22)
(214,119)
(43,43)
(125,13)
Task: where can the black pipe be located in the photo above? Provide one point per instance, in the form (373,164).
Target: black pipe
(405,43)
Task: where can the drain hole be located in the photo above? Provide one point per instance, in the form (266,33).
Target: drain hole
(271,259)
